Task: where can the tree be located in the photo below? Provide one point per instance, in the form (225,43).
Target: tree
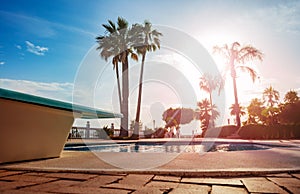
(270,96)
(208,83)
(290,113)
(239,55)
(291,97)
(177,116)
(254,111)
(237,110)
(117,43)
(150,43)
(207,114)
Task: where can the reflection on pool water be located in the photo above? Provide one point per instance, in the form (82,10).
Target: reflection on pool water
(167,148)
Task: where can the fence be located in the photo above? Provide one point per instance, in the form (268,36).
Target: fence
(89,133)
(93,133)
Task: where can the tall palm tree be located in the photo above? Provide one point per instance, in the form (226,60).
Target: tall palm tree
(117,43)
(239,55)
(291,97)
(108,45)
(270,96)
(150,43)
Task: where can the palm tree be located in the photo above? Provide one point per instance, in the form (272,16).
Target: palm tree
(239,55)
(234,110)
(208,83)
(270,96)
(206,114)
(255,111)
(291,97)
(117,44)
(150,43)
(109,48)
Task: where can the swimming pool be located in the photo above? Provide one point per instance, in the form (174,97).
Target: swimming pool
(167,147)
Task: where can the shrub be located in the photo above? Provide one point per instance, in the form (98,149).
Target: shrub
(148,133)
(160,133)
(257,131)
(105,132)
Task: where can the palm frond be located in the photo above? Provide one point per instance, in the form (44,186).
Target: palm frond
(122,23)
(113,26)
(223,51)
(234,45)
(248,53)
(251,71)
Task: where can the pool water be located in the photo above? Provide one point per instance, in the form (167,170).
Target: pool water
(167,148)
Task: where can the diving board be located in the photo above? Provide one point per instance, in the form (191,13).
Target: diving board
(34,127)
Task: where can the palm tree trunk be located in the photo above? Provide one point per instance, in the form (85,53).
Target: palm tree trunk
(135,134)
(236,101)
(125,94)
(119,87)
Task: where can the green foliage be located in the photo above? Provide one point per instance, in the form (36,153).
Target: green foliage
(160,133)
(108,131)
(270,115)
(259,131)
(206,114)
(271,96)
(291,97)
(290,114)
(254,111)
(105,132)
(237,109)
(148,132)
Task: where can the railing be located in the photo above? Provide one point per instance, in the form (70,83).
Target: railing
(93,133)
(89,133)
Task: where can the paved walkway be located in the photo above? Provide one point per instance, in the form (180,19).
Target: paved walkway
(275,170)
(22,182)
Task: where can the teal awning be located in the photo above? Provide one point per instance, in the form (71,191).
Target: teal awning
(84,111)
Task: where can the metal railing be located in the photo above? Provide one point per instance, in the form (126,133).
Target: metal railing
(89,133)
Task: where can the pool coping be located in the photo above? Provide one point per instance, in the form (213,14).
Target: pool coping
(193,172)
(164,172)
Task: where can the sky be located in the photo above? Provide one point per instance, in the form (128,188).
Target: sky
(48,48)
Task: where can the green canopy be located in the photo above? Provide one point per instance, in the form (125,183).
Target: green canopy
(84,111)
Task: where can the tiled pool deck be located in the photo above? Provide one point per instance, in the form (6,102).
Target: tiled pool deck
(274,170)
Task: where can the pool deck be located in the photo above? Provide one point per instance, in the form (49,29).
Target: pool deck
(275,170)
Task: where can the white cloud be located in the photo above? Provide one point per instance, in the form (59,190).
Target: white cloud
(54,90)
(37,50)
(19,47)
(2,62)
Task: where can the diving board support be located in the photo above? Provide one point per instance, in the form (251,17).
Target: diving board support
(36,128)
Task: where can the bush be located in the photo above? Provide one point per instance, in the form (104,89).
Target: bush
(105,132)
(160,133)
(148,133)
(221,132)
(257,131)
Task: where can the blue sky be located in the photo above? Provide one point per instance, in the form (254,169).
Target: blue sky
(44,43)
